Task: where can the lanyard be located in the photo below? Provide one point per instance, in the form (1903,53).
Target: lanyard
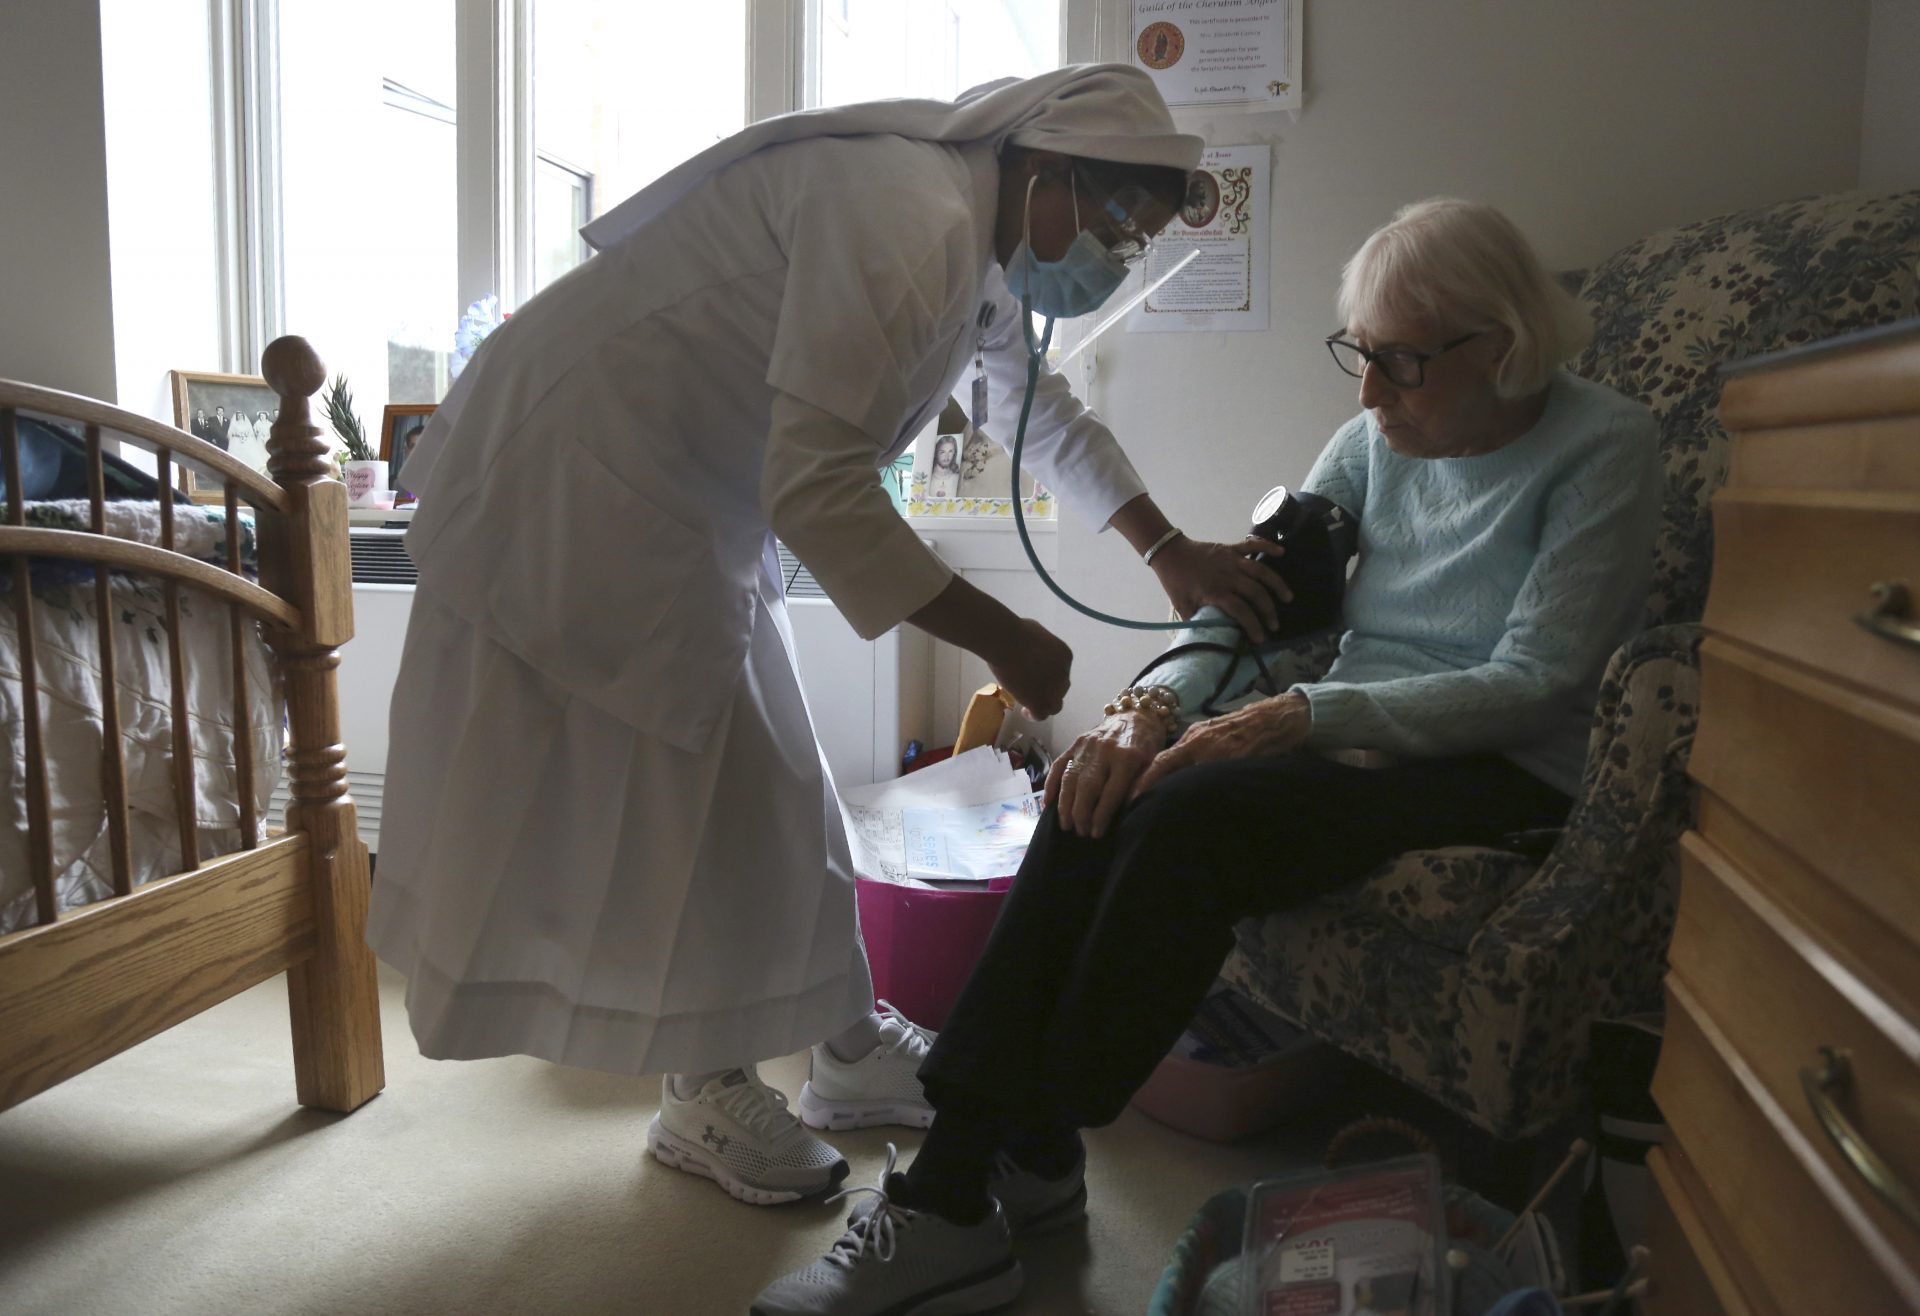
(984,321)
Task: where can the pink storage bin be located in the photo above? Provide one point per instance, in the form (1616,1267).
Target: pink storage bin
(1240,1070)
(1222,1103)
(922,945)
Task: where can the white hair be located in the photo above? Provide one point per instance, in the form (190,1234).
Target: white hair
(1464,266)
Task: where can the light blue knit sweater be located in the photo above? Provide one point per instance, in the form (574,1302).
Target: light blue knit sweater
(1489,591)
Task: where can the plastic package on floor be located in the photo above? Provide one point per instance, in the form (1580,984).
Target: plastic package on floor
(1206,1277)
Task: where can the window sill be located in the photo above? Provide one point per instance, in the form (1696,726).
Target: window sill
(987,543)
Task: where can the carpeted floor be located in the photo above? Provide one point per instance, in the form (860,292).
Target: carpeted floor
(181,1178)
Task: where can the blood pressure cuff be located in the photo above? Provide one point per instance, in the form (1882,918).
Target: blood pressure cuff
(1320,538)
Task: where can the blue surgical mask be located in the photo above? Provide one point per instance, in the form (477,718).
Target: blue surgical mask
(1075,284)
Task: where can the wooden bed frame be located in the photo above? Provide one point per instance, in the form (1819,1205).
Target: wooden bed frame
(84,985)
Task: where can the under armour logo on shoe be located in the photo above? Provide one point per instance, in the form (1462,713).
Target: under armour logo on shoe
(719,1140)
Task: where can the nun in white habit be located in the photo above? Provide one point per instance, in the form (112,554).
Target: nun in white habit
(609,838)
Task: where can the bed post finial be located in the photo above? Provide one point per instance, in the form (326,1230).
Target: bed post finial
(295,452)
(333,994)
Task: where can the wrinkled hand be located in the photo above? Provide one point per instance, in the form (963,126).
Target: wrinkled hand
(1096,776)
(1272,726)
(1196,572)
(1035,666)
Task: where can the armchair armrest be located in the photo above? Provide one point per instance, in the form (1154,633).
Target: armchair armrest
(1649,700)
(1586,936)
(1309,661)
(1635,797)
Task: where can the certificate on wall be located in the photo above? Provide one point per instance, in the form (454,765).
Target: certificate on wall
(1225,220)
(1221,52)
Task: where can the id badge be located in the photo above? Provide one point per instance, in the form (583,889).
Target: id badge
(979,412)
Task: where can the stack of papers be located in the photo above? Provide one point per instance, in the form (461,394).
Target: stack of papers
(957,823)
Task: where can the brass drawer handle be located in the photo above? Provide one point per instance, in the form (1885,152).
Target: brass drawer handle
(1891,616)
(1834,1079)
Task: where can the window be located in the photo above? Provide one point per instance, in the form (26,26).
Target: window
(930,48)
(417,143)
(622,93)
(435,151)
(370,194)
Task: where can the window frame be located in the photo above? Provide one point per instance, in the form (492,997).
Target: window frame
(496,160)
(245,41)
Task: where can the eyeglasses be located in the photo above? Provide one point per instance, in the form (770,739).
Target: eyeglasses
(1115,228)
(1403,367)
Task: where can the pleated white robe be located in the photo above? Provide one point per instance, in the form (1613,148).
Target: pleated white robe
(609,838)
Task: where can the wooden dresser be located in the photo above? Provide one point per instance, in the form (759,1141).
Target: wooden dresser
(1794,993)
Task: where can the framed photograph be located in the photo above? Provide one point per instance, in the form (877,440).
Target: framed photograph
(400,427)
(234,413)
(968,474)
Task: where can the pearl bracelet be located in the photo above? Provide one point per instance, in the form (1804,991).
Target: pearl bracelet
(1156,700)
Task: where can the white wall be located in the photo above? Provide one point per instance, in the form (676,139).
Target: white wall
(1890,118)
(57,328)
(1591,122)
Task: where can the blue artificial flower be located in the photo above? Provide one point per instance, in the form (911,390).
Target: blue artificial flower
(481,319)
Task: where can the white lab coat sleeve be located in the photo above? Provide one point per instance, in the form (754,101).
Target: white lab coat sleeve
(1069,449)
(820,489)
(871,289)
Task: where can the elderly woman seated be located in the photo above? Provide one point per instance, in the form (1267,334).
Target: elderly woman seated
(1506,512)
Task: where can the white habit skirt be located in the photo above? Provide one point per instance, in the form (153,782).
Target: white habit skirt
(554,883)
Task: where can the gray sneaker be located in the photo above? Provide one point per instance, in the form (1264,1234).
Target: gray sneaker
(1035,1205)
(893,1261)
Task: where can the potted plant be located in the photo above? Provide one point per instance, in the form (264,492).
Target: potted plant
(365,474)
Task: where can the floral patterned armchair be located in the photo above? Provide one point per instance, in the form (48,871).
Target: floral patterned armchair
(1471,973)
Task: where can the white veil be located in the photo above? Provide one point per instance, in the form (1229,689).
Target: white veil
(1101,111)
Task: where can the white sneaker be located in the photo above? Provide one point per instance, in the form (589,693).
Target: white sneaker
(882,1087)
(897,1262)
(738,1132)
(1035,1205)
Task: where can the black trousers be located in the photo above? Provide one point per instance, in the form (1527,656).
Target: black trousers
(1104,948)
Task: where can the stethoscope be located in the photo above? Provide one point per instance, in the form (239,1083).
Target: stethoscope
(1036,353)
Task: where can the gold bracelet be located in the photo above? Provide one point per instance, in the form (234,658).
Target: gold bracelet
(1155,700)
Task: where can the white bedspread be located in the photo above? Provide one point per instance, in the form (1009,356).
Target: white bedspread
(68,650)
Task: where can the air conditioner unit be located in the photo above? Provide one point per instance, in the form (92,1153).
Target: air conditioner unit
(867,698)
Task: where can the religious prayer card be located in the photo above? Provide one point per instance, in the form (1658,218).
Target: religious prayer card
(1225,220)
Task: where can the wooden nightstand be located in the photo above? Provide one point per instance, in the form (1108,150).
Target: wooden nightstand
(1794,989)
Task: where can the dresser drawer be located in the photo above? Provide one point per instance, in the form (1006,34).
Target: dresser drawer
(1822,771)
(1791,1219)
(1882,955)
(1850,383)
(1792,571)
(1692,1274)
(1881,455)
(1779,996)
